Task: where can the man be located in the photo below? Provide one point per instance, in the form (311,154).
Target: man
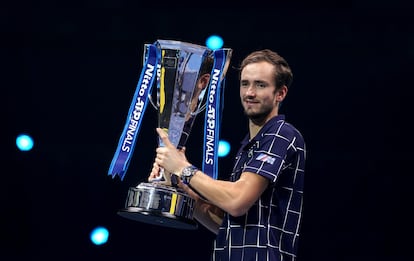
(256,214)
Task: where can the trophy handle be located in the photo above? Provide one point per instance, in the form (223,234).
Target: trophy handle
(156,107)
(199,109)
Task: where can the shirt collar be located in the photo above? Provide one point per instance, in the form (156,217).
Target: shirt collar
(245,143)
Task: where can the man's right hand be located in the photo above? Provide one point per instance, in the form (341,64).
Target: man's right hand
(155,174)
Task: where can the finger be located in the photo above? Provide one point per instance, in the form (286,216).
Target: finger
(164,137)
(158,161)
(183,150)
(152,176)
(182,153)
(155,167)
(155,173)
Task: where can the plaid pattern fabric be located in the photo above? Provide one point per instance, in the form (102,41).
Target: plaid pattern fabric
(270,229)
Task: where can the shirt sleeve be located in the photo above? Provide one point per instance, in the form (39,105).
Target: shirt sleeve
(268,155)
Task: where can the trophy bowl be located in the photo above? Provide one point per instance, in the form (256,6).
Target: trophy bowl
(159,204)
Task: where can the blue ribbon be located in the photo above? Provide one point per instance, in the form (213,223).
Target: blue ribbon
(127,141)
(213,115)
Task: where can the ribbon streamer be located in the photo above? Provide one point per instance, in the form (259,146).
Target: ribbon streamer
(213,113)
(127,141)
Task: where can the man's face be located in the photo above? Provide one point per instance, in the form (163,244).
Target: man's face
(257,91)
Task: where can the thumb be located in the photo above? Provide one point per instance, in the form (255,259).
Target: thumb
(164,137)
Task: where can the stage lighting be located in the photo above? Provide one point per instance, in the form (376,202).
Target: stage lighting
(224,148)
(99,235)
(214,42)
(24,142)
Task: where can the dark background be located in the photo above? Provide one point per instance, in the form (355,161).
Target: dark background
(69,72)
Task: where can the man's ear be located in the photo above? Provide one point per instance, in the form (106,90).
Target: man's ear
(281,93)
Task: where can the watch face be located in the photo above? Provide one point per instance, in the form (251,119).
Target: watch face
(187,173)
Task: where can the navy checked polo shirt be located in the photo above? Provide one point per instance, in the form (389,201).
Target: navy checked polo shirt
(270,229)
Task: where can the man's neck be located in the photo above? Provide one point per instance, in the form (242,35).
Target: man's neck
(256,125)
(253,129)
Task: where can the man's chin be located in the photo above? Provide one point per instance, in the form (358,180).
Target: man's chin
(254,116)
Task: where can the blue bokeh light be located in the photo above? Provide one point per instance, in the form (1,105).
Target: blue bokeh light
(223,148)
(214,42)
(24,142)
(99,235)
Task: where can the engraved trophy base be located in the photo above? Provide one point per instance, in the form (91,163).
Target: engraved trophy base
(159,204)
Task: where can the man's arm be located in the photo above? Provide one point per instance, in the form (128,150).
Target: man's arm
(234,198)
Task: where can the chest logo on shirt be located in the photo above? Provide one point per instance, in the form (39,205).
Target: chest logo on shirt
(266,158)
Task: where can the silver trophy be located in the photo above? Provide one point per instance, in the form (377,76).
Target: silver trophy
(181,95)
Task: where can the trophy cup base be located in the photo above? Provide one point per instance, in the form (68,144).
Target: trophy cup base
(159,204)
(159,219)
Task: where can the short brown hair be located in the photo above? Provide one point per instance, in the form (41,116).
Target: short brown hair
(283,72)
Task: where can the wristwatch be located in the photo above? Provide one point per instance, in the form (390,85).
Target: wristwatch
(187,173)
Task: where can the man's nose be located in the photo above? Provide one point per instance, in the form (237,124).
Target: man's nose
(251,90)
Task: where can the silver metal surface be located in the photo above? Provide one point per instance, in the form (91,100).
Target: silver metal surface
(159,204)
